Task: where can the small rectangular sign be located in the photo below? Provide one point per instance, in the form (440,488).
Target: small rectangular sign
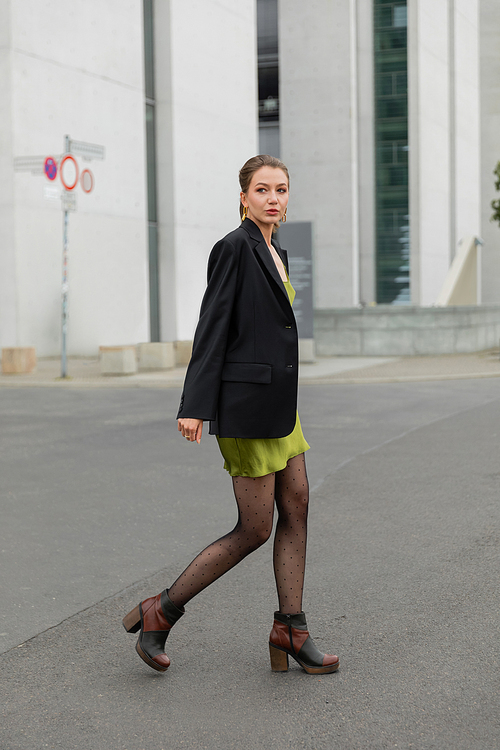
(296,238)
(51,192)
(68,201)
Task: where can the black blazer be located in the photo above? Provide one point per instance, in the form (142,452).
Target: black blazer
(244,368)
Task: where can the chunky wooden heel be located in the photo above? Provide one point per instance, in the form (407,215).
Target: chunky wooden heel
(132,621)
(290,637)
(279,659)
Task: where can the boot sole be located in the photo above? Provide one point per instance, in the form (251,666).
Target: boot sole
(148,660)
(279,662)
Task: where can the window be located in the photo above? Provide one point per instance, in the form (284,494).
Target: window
(391,157)
(268,75)
(154,311)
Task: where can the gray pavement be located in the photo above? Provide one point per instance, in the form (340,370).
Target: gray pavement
(86,371)
(103,504)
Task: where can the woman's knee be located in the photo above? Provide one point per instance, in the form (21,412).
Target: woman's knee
(257,535)
(294,507)
(264,533)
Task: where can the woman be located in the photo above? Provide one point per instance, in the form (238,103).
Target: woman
(242,378)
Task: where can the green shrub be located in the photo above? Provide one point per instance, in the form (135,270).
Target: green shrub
(496,203)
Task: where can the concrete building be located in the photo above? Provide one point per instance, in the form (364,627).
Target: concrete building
(388,121)
(176,123)
(387,116)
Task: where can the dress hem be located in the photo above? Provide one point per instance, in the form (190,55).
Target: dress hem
(256,476)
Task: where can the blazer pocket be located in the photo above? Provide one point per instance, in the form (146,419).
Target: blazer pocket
(247,372)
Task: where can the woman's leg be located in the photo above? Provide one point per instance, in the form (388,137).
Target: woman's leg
(292,498)
(255,500)
(289,635)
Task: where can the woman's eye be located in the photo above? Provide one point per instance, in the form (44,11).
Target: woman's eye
(282,190)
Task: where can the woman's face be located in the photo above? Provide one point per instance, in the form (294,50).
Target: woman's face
(267,196)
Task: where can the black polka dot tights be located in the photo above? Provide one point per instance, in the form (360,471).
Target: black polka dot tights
(255,498)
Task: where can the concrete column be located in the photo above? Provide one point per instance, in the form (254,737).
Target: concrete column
(366,148)
(467,129)
(443,136)
(490,145)
(8,274)
(206,101)
(316,97)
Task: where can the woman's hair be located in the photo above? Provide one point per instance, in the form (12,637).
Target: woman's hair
(252,165)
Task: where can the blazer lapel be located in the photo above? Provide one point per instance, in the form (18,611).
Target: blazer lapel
(265,256)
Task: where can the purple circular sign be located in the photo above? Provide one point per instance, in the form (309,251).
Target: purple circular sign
(50,168)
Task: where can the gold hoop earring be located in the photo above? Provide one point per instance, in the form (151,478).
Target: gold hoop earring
(283,218)
(245,213)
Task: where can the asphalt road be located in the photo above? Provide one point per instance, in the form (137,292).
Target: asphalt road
(102,504)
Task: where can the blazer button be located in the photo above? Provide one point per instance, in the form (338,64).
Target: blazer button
(289,365)
(288,326)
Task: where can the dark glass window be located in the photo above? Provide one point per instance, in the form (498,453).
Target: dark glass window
(391,138)
(154,313)
(267,49)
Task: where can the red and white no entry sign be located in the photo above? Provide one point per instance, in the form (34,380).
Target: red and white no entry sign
(87,181)
(69,172)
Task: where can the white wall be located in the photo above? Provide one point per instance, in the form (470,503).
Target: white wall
(490,150)
(429,122)
(78,69)
(365,172)
(444,137)
(8,273)
(467,119)
(206,98)
(316,137)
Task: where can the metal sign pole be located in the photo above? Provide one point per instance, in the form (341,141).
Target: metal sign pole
(64,305)
(64,300)
(47,165)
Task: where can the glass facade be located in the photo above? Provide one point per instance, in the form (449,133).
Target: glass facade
(391,160)
(154,310)
(268,72)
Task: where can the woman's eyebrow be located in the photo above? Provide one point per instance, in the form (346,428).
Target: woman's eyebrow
(264,184)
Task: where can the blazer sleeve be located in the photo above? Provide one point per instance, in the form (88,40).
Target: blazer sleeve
(202,383)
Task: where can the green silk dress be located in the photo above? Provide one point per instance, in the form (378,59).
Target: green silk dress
(256,457)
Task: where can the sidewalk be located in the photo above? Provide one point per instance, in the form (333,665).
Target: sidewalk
(86,372)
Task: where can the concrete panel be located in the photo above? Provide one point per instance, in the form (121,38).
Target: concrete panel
(468,338)
(433,165)
(490,145)
(444,137)
(466,133)
(118,360)
(89,85)
(8,266)
(99,39)
(18,359)
(434,341)
(306,350)
(366,150)
(384,341)
(389,331)
(155,355)
(316,136)
(338,343)
(214,130)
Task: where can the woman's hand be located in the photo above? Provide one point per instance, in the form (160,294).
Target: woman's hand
(191,429)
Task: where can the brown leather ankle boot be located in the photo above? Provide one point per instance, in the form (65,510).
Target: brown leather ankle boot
(290,637)
(154,617)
